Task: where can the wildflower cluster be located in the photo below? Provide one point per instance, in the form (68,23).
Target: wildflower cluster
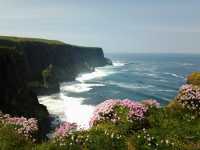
(23,126)
(89,139)
(150,142)
(149,103)
(107,111)
(189,97)
(65,129)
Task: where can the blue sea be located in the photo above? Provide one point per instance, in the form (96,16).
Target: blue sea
(132,76)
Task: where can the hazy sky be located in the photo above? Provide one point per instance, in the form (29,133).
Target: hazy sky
(115,25)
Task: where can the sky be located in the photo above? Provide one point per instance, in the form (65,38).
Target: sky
(133,26)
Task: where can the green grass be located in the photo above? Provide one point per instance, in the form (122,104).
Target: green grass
(10,140)
(24,39)
(171,130)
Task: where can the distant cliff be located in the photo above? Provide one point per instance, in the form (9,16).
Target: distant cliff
(29,66)
(66,61)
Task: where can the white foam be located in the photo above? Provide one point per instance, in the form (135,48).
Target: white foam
(72,109)
(118,64)
(54,104)
(130,86)
(98,73)
(174,75)
(68,109)
(187,64)
(75,111)
(78,87)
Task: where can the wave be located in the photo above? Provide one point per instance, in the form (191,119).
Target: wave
(150,74)
(78,87)
(162,90)
(68,109)
(76,112)
(98,73)
(174,75)
(118,64)
(54,104)
(130,86)
(187,64)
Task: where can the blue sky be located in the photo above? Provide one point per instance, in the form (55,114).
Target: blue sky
(116,25)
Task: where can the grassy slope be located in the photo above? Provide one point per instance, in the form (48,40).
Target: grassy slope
(20,39)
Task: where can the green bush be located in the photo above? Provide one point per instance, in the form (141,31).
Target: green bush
(10,140)
(169,129)
(194,78)
(94,139)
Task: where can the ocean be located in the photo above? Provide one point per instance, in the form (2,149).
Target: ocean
(132,76)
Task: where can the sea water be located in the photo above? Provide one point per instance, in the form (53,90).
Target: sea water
(132,76)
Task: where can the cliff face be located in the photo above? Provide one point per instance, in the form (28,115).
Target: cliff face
(28,65)
(67,61)
(15,97)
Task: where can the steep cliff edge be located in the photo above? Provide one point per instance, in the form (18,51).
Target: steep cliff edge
(15,97)
(36,66)
(66,61)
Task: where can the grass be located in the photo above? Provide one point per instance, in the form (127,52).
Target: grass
(170,129)
(24,39)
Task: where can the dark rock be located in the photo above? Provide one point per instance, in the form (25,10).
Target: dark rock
(15,97)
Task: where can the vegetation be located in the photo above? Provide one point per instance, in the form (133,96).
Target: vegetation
(17,40)
(118,125)
(194,78)
(165,128)
(46,74)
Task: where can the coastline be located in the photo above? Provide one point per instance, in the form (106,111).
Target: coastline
(65,108)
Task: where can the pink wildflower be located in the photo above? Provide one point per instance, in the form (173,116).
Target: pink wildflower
(64,129)
(24,126)
(106,110)
(189,97)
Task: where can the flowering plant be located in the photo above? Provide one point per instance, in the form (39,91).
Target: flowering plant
(64,129)
(149,103)
(23,126)
(107,111)
(189,97)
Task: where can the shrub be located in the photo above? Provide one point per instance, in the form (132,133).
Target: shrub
(95,138)
(11,140)
(189,97)
(23,126)
(149,103)
(194,78)
(64,130)
(117,111)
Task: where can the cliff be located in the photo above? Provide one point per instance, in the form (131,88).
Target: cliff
(29,66)
(66,61)
(16,97)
